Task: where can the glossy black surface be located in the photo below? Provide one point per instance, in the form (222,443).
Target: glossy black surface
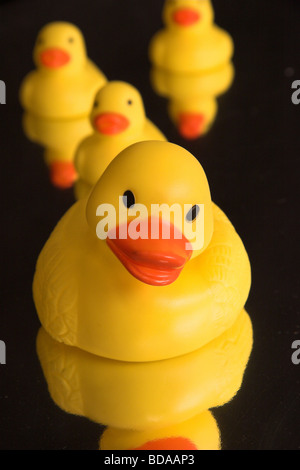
(251,158)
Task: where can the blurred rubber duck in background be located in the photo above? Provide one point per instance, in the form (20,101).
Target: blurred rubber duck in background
(190,287)
(192,105)
(60,91)
(119,120)
(190,42)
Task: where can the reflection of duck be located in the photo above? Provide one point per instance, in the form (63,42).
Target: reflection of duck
(190,42)
(61,89)
(159,399)
(193,105)
(200,432)
(145,299)
(119,120)
(60,139)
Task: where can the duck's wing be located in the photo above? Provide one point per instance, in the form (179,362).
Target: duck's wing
(55,285)
(228,270)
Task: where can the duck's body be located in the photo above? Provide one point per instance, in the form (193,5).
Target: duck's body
(116,126)
(79,281)
(190,42)
(182,53)
(61,95)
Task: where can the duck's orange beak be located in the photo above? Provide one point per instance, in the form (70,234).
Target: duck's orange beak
(54,58)
(158,261)
(191,125)
(186,16)
(111,123)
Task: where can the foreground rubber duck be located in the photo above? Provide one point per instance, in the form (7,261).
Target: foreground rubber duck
(192,105)
(163,404)
(149,298)
(62,88)
(190,42)
(119,120)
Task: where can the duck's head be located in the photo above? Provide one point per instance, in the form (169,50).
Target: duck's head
(60,46)
(188,15)
(152,206)
(118,110)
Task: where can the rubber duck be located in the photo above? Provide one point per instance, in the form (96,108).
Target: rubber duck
(159,400)
(119,120)
(65,82)
(101,286)
(191,42)
(62,88)
(192,104)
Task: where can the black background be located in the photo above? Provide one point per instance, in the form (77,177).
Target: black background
(251,160)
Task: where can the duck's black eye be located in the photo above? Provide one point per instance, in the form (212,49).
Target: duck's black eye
(129,102)
(95,104)
(128,199)
(71,39)
(193,213)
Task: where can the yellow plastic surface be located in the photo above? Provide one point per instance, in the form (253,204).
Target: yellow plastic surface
(85,297)
(146,396)
(98,150)
(61,91)
(59,138)
(198,433)
(196,47)
(193,95)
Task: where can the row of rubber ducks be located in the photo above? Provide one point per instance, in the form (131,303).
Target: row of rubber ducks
(143,336)
(67,98)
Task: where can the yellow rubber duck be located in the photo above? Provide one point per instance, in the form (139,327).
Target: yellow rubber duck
(151,298)
(66,81)
(191,42)
(58,96)
(159,400)
(119,120)
(192,104)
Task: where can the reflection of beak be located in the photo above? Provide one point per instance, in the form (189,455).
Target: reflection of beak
(111,123)
(54,58)
(191,125)
(168,443)
(157,262)
(186,16)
